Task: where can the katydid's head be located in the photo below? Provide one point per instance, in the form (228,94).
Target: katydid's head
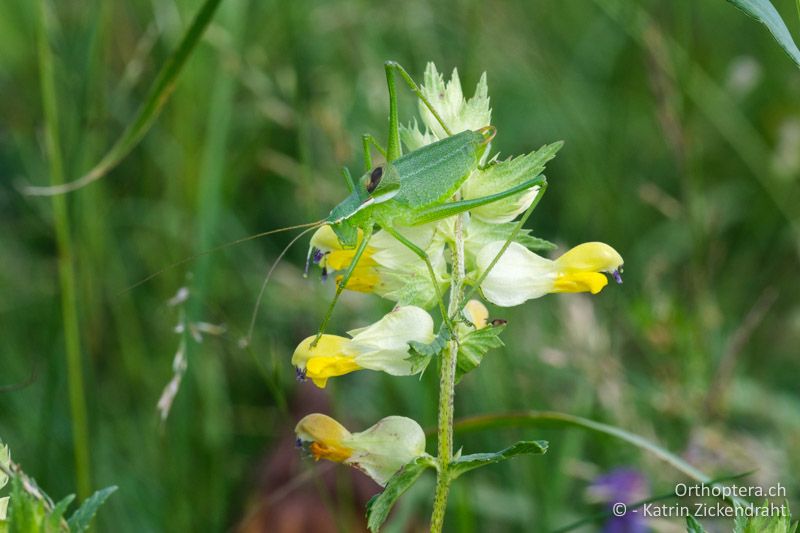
(374,187)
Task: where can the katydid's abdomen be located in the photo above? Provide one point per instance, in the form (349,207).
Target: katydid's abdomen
(434,173)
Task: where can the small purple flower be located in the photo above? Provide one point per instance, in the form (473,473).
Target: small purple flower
(622,485)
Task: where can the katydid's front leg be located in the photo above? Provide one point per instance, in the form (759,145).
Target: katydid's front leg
(348,179)
(424,256)
(367,140)
(341,285)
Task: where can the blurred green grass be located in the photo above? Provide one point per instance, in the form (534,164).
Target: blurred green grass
(682,141)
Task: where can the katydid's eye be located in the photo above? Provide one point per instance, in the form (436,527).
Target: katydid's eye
(374,179)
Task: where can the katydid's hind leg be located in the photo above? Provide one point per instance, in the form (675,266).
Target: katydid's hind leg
(448,209)
(393,147)
(511,237)
(341,285)
(368,141)
(392,66)
(424,256)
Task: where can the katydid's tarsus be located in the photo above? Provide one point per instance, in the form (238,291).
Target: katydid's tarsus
(411,189)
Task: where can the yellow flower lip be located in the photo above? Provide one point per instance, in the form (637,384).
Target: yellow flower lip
(580,282)
(329,358)
(326,251)
(382,346)
(323,436)
(337,454)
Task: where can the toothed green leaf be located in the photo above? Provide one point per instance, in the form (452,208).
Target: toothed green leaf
(421,354)
(771,522)
(474,346)
(476,460)
(57,514)
(25,513)
(379,506)
(693,526)
(480,233)
(503,175)
(82,517)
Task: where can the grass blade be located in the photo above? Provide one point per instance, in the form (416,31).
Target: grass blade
(158,95)
(764,12)
(560,420)
(66,267)
(639,504)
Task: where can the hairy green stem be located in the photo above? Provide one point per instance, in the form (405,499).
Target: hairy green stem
(447,385)
(66,269)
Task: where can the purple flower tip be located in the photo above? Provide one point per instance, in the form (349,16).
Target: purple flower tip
(622,485)
(314,255)
(617,276)
(300,374)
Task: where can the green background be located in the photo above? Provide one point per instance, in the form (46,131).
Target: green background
(682,151)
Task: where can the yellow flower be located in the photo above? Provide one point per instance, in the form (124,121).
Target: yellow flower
(521,275)
(387,267)
(380,451)
(330,255)
(382,346)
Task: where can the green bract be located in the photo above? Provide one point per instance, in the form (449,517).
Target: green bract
(448,99)
(503,175)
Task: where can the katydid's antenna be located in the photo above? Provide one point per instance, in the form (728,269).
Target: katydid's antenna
(245,342)
(309,225)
